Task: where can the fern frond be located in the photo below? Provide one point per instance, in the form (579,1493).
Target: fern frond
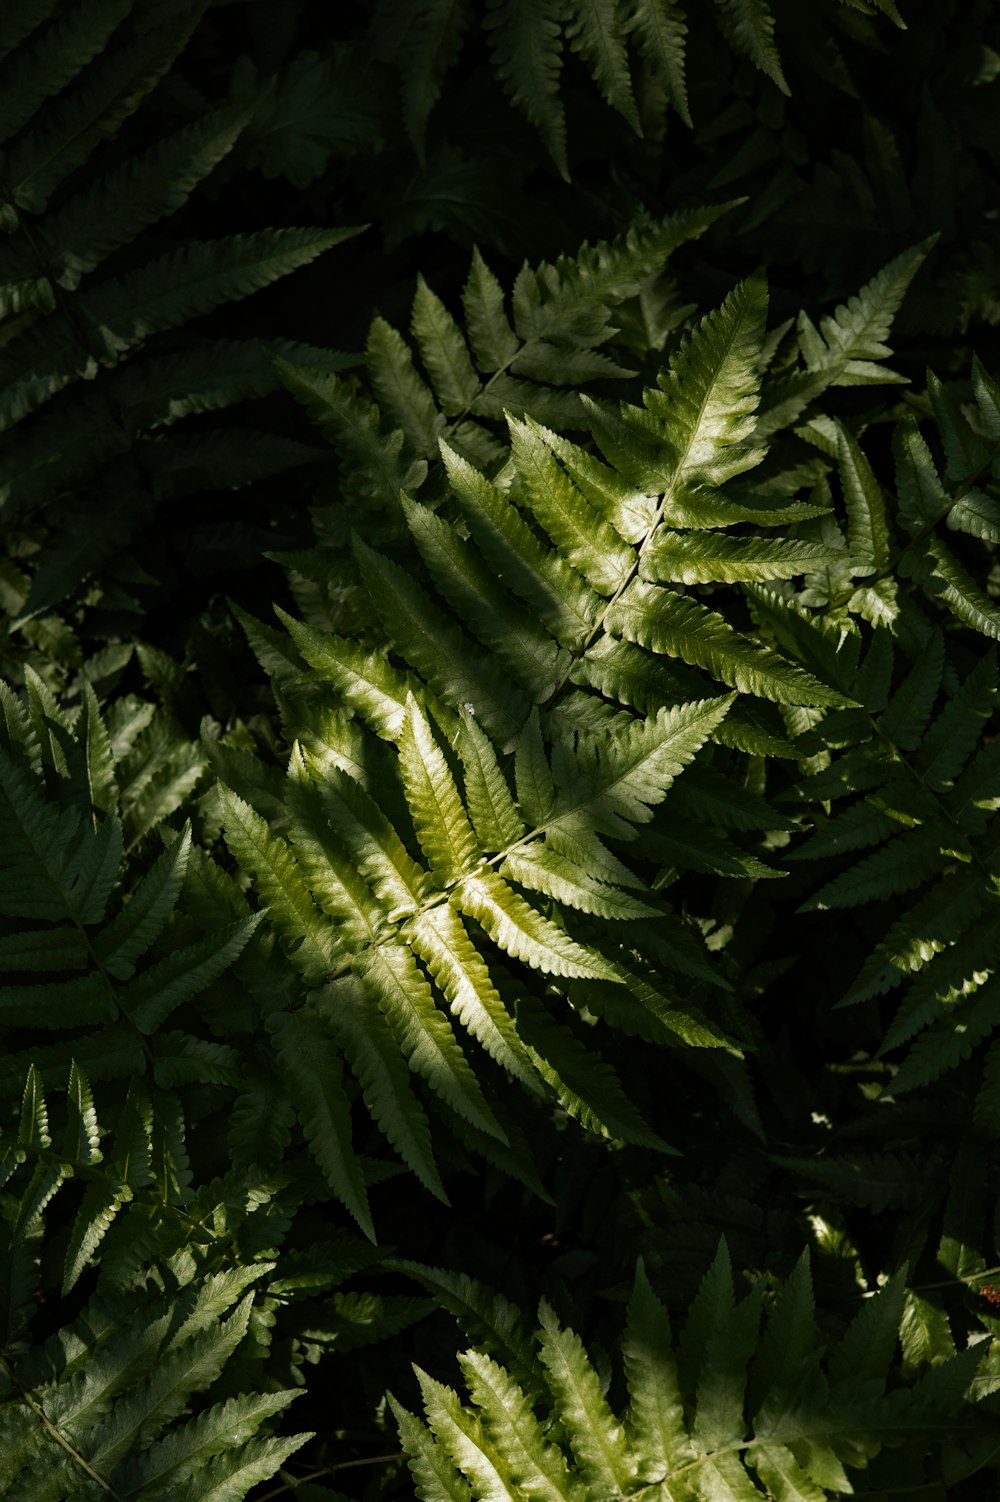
(350,1011)
(113,86)
(847,348)
(312,1068)
(106,1409)
(679,626)
(595,31)
(752,27)
(58,55)
(80,235)
(660,29)
(693,1433)
(527,47)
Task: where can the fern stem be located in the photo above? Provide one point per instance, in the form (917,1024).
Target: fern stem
(32,1402)
(328,1470)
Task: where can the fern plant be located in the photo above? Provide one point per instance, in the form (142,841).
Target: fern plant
(635,703)
(88,290)
(64,910)
(727,1409)
(920,763)
(528,44)
(498,796)
(103,1407)
(178,1228)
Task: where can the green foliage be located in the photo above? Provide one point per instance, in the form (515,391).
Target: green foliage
(528,44)
(530,737)
(503,819)
(729,1409)
(91,291)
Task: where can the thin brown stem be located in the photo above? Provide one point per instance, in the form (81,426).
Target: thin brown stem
(328,1470)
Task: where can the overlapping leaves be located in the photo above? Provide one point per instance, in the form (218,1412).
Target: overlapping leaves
(727,1409)
(495,795)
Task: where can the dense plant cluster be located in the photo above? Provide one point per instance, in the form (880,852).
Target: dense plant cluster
(499,750)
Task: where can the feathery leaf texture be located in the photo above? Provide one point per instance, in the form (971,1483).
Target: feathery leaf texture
(529,42)
(74,315)
(694,1424)
(911,827)
(514,684)
(105,1407)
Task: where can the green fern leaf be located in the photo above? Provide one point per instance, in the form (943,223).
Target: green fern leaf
(520,931)
(363,1034)
(156,993)
(705,558)
(753,27)
(112,213)
(531,1462)
(494,343)
(402,394)
(370,850)
(579,532)
(527,52)
(291,907)
(114,84)
(705,401)
(586,1087)
(898,866)
(444,352)
(547,584)
(120,314)
(368,683)
(944,576)
(433,1471)
(440,939)
(868,534)
(139,924)
(862,1357)
(338,883)
(661,32)
(433,37)
(849,347)
(445,834)
(680,626)
(594,31)
(184,1451)
(312,1069)
(229,1478)
(439,649)
(423,1033)
(522,646)
(966,452)
(721,1386)
(655,1419)
(542,869)
(948,1041)
(619,784)
(490,805)
(987,395)
(595,1435)
(55,59)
